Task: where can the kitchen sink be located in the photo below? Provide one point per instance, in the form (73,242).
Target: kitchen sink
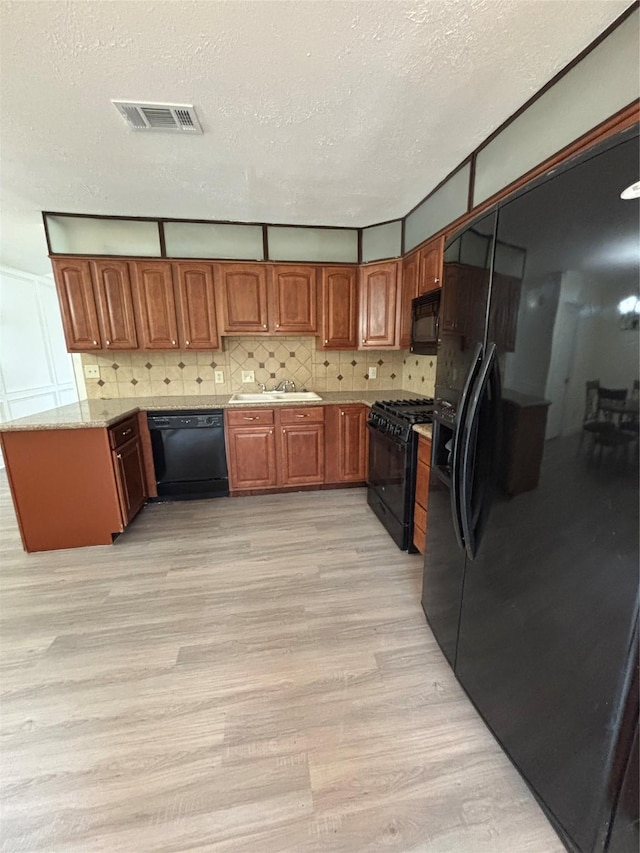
(276,397)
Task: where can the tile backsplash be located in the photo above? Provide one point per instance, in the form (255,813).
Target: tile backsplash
(143,374)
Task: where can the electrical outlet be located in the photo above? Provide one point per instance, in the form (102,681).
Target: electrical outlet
(373,373)
(248,376)
(218,376)
(92,371)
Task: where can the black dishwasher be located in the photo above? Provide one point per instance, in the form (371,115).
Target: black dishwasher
(189,454)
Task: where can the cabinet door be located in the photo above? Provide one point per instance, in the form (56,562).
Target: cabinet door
(409,291)
(155,304)
(294,300)
(195,296)
(346,448)
(503,313)
(130,480)
(77,304)
(301,454)
(115,304)
(251,453)
(339,308)
(378,305)
(431,256)
(243,292)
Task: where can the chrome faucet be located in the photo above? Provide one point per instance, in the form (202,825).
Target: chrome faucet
(284,384)
(262,386)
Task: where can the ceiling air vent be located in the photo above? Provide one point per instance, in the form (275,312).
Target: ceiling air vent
(180,118)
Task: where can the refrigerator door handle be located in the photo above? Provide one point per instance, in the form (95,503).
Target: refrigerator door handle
(489,376)
(456,464)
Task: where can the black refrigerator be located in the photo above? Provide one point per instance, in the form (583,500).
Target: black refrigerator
(531,566)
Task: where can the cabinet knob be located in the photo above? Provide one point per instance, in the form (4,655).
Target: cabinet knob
(173,343)
(437,279)
(326,342)
(187,343)
(284,430)
(264,325)
(107,342)
(270,432)
(119,455)
(277,325)
(342,413)
(363,340)
(95,343)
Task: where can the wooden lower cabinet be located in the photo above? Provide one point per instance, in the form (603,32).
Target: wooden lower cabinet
(251,455)
(296,446)
(128,466)
(422,493)
(346,444)
(69,487)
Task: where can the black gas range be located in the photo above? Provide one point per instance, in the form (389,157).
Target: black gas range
(393,448)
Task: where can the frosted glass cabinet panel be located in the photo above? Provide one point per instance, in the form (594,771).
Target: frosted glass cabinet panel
(596,88)
(79,236)
(313,244)
(445,205)
(211,240)
(382,241)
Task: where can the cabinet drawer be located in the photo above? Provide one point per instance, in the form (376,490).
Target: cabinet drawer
(424,451)
(247,417)
(302,415)
(420,516)
(124,431)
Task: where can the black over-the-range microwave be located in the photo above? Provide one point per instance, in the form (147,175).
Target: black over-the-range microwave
(425,322)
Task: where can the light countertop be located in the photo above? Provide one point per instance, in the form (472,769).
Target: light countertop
(88,414)
(423,429)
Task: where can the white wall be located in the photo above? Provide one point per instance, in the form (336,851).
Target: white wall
(36,371)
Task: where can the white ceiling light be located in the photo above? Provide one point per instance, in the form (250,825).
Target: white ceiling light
(631,192)
(177,118)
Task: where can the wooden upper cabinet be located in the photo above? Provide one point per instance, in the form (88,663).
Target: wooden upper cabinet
(339,308)
(503,314)
(295,299)
(155,304)
(115,305)
(378,305)
(77,304)
(195,296)
(410,270)
(431,256)
(243,293)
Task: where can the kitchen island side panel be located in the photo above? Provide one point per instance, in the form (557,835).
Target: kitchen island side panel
(63,487)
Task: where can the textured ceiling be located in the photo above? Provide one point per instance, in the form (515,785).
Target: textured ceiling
(314,111)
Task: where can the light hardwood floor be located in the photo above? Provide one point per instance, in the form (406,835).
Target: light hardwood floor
(250,675)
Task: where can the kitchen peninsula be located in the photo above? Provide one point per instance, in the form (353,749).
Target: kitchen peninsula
(80,473)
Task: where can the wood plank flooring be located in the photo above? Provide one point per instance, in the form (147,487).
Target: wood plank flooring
(251,675)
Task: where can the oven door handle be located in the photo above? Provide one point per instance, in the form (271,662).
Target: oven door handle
(457,457)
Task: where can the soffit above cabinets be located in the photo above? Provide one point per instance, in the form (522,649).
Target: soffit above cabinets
(341,119)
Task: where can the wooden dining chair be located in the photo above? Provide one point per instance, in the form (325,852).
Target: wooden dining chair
(610,417)
(591,424)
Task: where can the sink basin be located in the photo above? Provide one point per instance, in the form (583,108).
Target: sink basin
(276,397)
